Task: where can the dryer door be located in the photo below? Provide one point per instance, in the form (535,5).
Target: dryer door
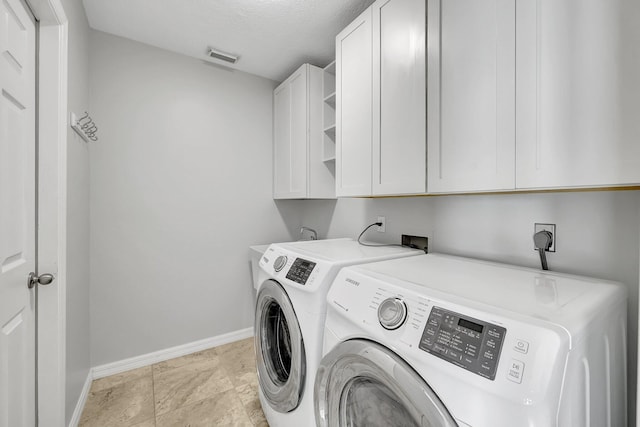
(280,355)
(361,383)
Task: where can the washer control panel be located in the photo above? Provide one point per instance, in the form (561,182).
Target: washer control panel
(300,270)
(466,342)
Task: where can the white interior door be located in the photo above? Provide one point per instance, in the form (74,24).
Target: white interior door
(17,215)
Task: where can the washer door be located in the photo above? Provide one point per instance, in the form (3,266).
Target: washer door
(280,356)
(361,383)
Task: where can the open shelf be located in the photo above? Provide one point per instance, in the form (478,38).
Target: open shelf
(331,68)
(328,149)
(331,131)
(329,114)
(329,81)
(331,99)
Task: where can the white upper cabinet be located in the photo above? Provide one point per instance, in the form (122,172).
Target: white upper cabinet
(298,169)
(381,101)
(399,97)
(521,94)
(354,107)
(542,95)
(290,137)
(471,78)
(578,93)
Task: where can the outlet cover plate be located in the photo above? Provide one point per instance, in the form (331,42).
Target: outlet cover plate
(546,227)
(382,228)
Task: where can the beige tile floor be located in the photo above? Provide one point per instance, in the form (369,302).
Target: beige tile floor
(215,387)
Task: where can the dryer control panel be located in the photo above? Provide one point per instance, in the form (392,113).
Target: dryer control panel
(466,342)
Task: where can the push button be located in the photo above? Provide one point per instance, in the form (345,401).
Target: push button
(486,367)
(521,346)
(495,333)
(434,322)
(440,349)
(516,369)
(455,355)
(488,355)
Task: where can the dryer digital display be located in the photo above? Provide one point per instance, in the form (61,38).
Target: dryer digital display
(300,270)
(466,342)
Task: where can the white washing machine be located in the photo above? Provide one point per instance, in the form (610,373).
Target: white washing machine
(290,310)
(437,340)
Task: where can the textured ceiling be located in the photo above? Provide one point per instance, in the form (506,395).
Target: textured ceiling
(272,37)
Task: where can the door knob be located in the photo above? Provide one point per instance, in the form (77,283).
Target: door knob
(43,279)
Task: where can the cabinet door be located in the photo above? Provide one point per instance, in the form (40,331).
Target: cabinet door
(578,93)
(399,97)
(290,137)
(471,80)
(354,108)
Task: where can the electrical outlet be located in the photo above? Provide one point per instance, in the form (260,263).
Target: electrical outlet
(382,228)
(550,228)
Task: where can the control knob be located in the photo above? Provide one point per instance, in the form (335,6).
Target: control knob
(392,313)
(280,262)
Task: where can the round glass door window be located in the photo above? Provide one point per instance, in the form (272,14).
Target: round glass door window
(362,383)
(280,356)
(369,403)
(278,343)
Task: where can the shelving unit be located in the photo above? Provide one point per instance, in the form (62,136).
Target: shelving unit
(331,98)
(329,113)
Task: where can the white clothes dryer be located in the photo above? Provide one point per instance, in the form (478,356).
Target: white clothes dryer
(445,341)
(294,279)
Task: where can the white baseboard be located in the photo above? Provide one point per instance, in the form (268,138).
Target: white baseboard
(77,412)
(168,353)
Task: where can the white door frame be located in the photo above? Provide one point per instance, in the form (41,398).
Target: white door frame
(52,217)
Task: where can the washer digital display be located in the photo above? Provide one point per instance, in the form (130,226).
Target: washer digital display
(470,325)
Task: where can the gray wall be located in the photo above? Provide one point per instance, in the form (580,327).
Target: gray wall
(78,344)
(180,187)
(597,233)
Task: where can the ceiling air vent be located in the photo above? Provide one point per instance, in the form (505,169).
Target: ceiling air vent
(217,54)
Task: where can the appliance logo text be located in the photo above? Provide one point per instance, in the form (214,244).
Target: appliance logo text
(353,282)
